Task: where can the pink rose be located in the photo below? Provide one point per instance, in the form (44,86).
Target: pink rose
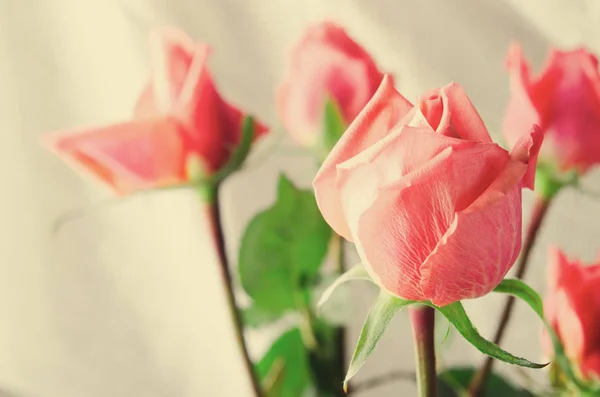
(572,308)
(564,100)
(432,204)
(325,63)
(179,114)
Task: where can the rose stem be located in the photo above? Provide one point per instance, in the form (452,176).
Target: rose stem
(423,321)
(538,214)
(341,331)
(210,197)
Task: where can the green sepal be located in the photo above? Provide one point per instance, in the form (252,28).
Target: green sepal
(524,292)
(381,313)
(549,181)
(240,152)
(455,313)
(196,171)
(357,272)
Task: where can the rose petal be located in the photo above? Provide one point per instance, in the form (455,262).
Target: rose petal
(519,170)
(568,92)
(526,151)
(129,156)
(475,253)
(521,113)
(213,126)
(569,325)
(463,116)
(171,53)
(431,106)
(374,122)
(389,241)
(325,64)
(407,219)
(591,366)
(401,152)
(572,304)
(302,96)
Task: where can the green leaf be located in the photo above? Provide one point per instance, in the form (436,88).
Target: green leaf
(524,292)
(284,370)
(357,272)
(455,381)
(282,250)
(255,316)
(455,313)
(378,319)
(333,124)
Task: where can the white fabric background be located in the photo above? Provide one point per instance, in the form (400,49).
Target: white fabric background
(126,301)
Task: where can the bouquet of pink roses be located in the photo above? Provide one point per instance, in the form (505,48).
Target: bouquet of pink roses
(431,204)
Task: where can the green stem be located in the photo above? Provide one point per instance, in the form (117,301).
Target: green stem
(307,327)
(540,209)
(213,213)
(340,331)
(423,324)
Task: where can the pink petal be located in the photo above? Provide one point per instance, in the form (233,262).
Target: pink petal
(403,151)
(325,63)
(519,170)
(213,126)
(569,91)
(463,116)
(569,325)
(384,110)
(558,270)
(171,54)
(572,304)
(521,112)
(476,252)
(128,156)
(432,111)
(591,366)
(526,151)
(407,219)
(145,107)
(432,108)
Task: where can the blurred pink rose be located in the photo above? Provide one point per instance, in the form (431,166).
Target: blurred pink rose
(325,63)
(564,100)
(179,114)
(573,309)
(432,204)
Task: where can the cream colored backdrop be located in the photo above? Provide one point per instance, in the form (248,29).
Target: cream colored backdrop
(126,301)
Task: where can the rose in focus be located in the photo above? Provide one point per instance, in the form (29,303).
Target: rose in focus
(572,307)
(432,204)
(325,64)
(180,116)
(564,100)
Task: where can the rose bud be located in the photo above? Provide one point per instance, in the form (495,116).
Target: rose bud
(326,64)
(432,204)
(564,100)
(179,117)
(572,308)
